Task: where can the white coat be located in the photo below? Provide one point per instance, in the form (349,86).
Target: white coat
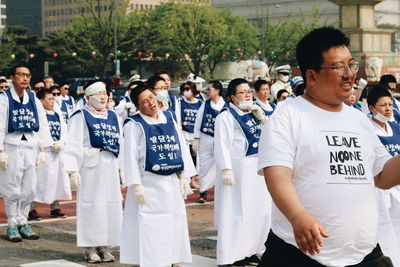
(389,213)
(243,210)
(155,234)
(206,167)
(18,182)
(99,199)
(52,180)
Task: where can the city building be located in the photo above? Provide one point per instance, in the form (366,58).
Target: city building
(3,16)
(29,16)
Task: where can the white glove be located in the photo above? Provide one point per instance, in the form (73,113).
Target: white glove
(362,83)
(57,146)
(75,180)
(195,144)
(41,160)
(128,105)
(185,188)
(3,161)
(140,194)
(227,176)
(258,113)
(122,178)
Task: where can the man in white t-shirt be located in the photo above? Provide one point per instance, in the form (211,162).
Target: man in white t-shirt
(322,160)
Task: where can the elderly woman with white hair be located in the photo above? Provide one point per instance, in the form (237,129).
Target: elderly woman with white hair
(92,158)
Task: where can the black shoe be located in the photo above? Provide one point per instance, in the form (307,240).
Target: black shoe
(253,260)
(240,263)
(57,213)
(33,215)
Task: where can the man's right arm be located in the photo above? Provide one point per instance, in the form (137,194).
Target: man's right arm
(308,232)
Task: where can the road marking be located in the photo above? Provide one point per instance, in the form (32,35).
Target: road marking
(53,263)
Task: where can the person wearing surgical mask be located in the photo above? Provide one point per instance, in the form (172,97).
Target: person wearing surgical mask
(381,106)
(92,157)
(125,107)
(283,77)
(186,113)
(241,194)
(159,87)
(59,105)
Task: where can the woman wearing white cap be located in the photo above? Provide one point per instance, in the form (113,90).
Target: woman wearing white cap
(243,205)
(92,157)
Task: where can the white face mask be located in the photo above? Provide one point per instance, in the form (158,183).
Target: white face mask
(188,94)
(379,117)
(57,99)
(111,105)
(95,102)
(245,105)
(162,95)
(284,78)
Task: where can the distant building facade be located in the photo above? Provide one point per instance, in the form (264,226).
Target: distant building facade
(26,13)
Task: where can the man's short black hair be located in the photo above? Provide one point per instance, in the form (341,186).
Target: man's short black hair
(376,93)
(386,79)
(151,82)
(259,83)
(137,91)
(3,81)
(137,83)
(310,48)
(14,69)
(160,72)
(42,93)
(216,85)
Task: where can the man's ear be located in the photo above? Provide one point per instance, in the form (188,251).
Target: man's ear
(311,76)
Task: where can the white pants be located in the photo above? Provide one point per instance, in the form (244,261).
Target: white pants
(18,182)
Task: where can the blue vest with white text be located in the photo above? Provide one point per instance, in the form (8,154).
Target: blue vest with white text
(54,125)
(163,150)
(251,128)
(103,133)
(22,117)
(267,113)
(392,143)
(208,120)
(172,102)
(69,102)
(188,114)
(64,110)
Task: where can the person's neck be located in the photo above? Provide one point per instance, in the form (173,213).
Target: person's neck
(322,104)
(215,99)
(192,99)
(153,116)
(264,101)
(19,91)
(381,124)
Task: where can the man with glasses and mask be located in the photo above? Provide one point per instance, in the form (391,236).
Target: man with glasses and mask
(23,136)
(390,83)
(283,82)
(4,85)
(322,160)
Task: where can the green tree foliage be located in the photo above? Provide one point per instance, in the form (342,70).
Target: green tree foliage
(278,39)
(89,41)
(196,34)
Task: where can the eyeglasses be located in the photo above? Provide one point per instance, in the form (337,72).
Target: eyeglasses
(248,92)
(187,88)
(147,100)
(56,94)
(342,68)
(66,88)
(4,87)
(284,73)
(38,88)
(26,75)
(209,89)
(159,88)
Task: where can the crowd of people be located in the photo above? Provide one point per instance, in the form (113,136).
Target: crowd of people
(296,164)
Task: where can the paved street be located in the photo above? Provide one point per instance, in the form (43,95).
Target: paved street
(57,243)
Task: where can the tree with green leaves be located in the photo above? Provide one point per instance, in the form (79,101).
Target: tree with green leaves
(278,39)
